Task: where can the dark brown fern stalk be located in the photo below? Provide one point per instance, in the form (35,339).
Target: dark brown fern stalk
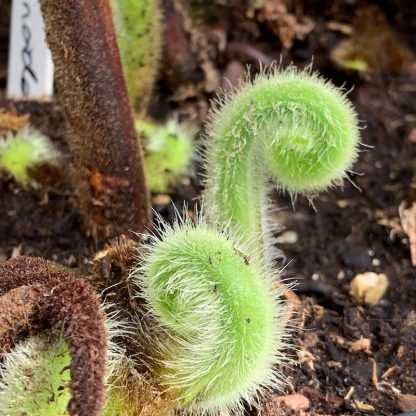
(36,295)
(109,175)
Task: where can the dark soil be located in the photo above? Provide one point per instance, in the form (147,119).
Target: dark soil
(343,233)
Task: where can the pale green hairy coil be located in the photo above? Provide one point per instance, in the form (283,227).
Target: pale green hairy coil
(291,126)
(34,379)
(221,327)
(138,30)
(35,376)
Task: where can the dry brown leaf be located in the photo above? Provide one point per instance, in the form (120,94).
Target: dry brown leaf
(11,121)
(310,339)
(363,407)
(389,372)
(374,373)
(306,357)
(392,223)
(363,344)
(294,401)
(284,24)
(349,393)
(334,364)
(407,402)
(339,340)
(401,351)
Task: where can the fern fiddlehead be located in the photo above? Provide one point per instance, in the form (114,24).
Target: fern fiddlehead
(292,126)
(223,319)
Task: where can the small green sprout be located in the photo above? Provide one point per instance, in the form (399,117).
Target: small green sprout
(292,126)
(21,152)
(168,148)
(220,326)
(168,152)
(138,31)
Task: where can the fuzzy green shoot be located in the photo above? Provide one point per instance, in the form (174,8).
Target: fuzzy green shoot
(138,31)
(221,323)
(291,126)
(23,151)
(168,150)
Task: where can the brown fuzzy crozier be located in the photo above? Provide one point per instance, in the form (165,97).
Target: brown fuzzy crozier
(35,295)
(109,275)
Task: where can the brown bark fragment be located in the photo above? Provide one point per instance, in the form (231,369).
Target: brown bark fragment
(46,296)
(102,136)
(407,402)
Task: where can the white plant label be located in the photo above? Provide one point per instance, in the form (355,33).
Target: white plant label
(30,72)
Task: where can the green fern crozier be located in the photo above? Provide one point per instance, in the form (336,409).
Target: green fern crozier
(35,376)
(291,126)
(220,322)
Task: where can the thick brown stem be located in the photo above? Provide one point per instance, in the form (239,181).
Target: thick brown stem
(179,63)
(36,295)
(108,158)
